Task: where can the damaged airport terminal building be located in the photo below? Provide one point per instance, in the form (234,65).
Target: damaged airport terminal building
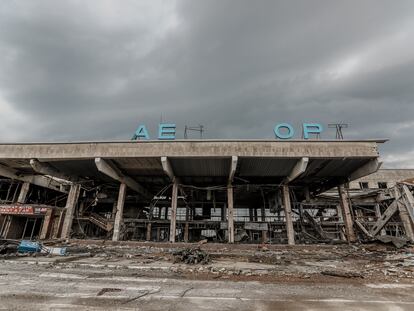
(226,191)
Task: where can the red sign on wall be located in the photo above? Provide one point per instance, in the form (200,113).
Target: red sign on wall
(22,210)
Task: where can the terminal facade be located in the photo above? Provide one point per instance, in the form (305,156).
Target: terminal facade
(229,191)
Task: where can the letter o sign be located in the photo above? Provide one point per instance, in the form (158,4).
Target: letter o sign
(284,131)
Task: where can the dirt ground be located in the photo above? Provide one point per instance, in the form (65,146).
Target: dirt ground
(150,276)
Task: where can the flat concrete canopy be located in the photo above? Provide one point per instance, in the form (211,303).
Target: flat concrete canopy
(204,162)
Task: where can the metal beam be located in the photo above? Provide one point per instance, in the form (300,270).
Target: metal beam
(45,168)
(108,168)
(38,180)
(298,169)
(233,168)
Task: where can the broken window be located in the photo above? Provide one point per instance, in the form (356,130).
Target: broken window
(382,185)
(363,185)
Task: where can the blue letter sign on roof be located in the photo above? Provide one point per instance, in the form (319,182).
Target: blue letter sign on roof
(166,131)
(286,126)
(141,132)
(311,128)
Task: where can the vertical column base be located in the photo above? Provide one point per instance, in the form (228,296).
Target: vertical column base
(186,232)
(288,216)
(70,210)
(173,221)
(346,214)
(149,231)
(264,236)
(119,216)
(230,213)
(46,225)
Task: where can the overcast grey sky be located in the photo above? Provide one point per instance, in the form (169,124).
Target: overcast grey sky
(93,70)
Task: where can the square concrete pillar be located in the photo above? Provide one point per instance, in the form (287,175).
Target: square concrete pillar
(264,236)
(186,232)
(149,231)
(47,222)
(57,226)
(288,215)
(119,216)
(346,214)
(114,209)
(230,213)
(71,202)
(173,221)
(23,193)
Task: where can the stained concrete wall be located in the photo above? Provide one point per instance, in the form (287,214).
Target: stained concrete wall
(203,148)
(389,176)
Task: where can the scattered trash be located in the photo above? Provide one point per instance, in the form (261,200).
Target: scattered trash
(192,256)
(60,251)
(29,247)
(8,248)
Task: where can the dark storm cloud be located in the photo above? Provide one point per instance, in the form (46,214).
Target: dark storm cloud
(76,71)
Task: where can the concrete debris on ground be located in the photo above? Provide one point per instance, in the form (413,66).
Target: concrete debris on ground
(375,261)
(192,256)
(398,242)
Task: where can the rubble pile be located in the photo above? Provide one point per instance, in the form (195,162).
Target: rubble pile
(192,256)
(7,249)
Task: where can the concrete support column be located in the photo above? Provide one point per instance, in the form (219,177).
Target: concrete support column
(230,213)
(47,221)
(149,231)
(57,230)
(173,222)
(114,208)
(23,193)
(186,233)
(158,234)
(346,214)
(71,202)
(264,236)
(119,216)
(288,215)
